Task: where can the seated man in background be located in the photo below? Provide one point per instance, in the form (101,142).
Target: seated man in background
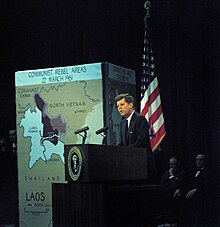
(173,180)
(199,196)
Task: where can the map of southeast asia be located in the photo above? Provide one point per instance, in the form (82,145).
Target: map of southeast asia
(48,115)
(44,132)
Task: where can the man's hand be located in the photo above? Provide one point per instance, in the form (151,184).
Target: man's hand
(171,172)
(191,193)
(176,193)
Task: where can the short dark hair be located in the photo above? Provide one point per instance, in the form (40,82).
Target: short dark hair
(128,98)
(174,157)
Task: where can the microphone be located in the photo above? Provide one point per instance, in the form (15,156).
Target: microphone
(81,130)
(101,130)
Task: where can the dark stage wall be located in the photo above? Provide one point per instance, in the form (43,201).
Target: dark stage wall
(185,37)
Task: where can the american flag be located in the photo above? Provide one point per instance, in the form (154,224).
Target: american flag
(150,105)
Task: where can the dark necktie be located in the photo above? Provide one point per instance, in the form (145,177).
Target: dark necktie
(126,129)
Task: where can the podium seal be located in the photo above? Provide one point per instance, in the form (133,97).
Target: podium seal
(75,162)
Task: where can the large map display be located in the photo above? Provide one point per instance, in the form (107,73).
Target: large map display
(50,105)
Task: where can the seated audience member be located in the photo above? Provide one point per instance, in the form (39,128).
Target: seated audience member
(199,194)
(173,180)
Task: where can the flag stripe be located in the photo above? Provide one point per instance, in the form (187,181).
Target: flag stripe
(158,123)
(156,140)
(153,85)
(155,116)
(152,106)
(151,99)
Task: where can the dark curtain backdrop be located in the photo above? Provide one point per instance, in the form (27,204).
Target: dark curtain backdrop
(185,37)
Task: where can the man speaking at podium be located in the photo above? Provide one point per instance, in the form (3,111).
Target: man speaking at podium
(134,129)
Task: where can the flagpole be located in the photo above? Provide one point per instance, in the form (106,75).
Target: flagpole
(147,6)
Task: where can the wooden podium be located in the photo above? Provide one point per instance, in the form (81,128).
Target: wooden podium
(107,163)
(105,186)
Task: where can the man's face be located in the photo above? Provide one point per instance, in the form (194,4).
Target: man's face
(124,108)
(200,161)
(173,163)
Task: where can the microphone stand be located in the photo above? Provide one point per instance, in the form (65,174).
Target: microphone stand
(104,141)
(83,137)
(103,133)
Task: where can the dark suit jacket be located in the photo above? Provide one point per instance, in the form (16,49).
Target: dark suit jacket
(176,182)
(203,182)
(138,136)
(205,196)
(138,132)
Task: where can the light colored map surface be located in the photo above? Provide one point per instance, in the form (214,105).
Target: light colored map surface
(47,116)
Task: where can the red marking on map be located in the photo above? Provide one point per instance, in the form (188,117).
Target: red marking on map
(52,126)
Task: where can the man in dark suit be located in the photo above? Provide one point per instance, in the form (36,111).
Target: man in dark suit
(199,194)
(134,129)
(134,132)
(173,181)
